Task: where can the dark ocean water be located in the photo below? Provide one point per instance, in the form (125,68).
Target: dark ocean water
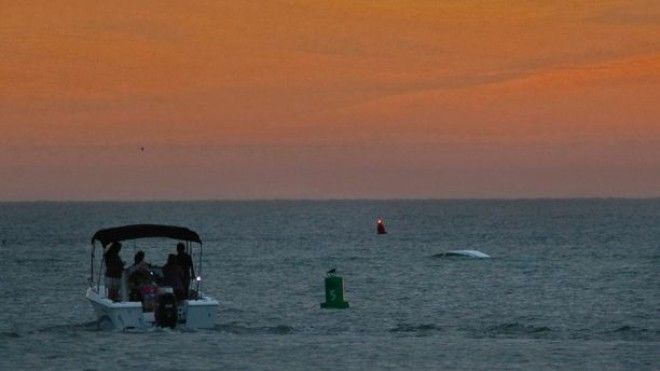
(572,284)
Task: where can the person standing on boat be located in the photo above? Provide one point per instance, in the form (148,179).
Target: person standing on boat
(114,267)
(184,260)
(172,277)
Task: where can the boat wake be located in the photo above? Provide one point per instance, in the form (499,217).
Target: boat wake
(18,331)
(516,329)
(419,329)
(237,329)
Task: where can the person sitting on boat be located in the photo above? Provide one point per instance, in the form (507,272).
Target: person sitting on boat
(138,275)
(172,277)
(114,267)
(185,262)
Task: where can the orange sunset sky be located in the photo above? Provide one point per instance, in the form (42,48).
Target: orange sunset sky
(329,99)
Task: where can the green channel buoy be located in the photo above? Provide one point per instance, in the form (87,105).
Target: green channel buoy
(334,293)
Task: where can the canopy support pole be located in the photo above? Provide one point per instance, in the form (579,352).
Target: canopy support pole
(91,266)
(199,273)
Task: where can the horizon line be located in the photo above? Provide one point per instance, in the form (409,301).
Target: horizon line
(345,199)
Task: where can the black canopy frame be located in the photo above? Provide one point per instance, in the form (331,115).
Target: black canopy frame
(135,231)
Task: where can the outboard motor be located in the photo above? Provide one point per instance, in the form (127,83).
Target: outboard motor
(166,311)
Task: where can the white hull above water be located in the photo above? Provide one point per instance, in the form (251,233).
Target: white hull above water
(125,315)
(466,253)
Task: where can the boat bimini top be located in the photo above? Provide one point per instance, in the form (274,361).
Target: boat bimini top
(135,231)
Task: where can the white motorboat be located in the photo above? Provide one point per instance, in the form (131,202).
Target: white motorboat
(463,253)
(194,311)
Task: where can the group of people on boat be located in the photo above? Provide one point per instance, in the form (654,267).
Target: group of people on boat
(142,280)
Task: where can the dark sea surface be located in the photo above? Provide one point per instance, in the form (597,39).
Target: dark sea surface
(572,284)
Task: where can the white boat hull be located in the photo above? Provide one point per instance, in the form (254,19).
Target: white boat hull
(193,314)
(464,253)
